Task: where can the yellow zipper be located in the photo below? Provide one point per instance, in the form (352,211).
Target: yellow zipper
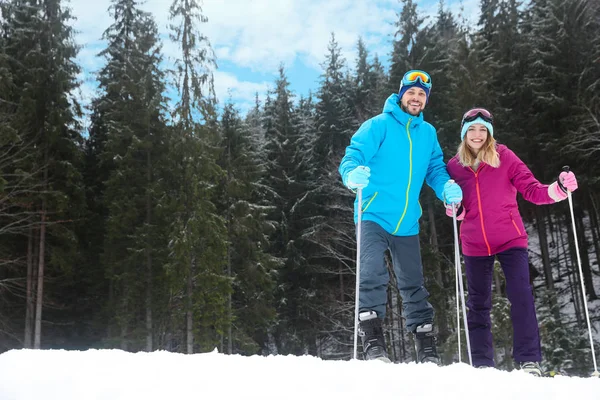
(409,174)
(370,201)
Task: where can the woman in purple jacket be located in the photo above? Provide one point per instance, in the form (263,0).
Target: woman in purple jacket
(490,176)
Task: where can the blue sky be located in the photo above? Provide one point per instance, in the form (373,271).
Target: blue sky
(251,38)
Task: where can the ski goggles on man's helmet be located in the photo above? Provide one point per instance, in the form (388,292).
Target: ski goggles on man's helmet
(475,113)
(414,76)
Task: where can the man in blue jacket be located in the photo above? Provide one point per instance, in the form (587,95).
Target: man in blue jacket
(389,158)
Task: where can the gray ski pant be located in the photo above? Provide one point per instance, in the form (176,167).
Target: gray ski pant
(408,267)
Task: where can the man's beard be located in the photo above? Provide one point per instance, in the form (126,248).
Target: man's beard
(405,109)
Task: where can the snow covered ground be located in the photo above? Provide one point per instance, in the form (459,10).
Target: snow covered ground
(115,374)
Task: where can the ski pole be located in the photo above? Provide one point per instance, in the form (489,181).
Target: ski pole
(457,313)
(587,315)
(461,289)
(358,228)
(457,301)
(457,290)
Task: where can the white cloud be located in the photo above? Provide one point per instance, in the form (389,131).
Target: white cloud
(228,86)
(470,11)
(259,35)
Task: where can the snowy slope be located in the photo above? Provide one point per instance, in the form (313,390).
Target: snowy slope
(114,375)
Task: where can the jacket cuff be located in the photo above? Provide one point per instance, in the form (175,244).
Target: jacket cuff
(556,193)
(460,213)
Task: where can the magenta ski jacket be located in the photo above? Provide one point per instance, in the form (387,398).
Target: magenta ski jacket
(492,222)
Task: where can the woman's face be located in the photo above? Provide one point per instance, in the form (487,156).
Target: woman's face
(476,136)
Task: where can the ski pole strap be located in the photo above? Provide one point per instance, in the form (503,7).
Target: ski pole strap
(560,185)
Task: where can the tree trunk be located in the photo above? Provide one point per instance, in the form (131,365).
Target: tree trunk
(112,306)
(41,264)
(398,327)
(594,226)
(573,262)
(499,292)
(229,241)
(432,228)
(394,315)
(400,323)
(123,337)
(555,230)
(149,322)
(40,280)
(442,315)
(341,271)
(572,279)
(541,228)
(29,291)
(229,297)
(498,288)
(392,332)
(585,258)
(190,313)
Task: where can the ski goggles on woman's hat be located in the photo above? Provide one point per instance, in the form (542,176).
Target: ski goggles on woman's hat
(475,113)
(477,116)
(416,76)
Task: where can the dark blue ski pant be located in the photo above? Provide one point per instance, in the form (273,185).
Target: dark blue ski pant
(374,276)
(526,336)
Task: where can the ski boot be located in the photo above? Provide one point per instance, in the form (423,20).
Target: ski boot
(425,344)
(531,367)
(371,335)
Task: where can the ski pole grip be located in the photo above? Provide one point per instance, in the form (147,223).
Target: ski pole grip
(566,168)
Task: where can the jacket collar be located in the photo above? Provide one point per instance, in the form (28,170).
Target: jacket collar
(392,106)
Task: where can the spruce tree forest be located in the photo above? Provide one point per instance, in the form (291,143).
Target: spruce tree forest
(173,221)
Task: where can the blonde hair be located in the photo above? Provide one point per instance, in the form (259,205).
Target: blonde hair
(488,153)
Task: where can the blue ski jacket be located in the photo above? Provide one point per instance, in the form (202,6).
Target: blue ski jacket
(402,151)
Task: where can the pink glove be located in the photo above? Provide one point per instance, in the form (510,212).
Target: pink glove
(459,209)
(568,181)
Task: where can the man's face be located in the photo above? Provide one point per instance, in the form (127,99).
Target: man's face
(413,101)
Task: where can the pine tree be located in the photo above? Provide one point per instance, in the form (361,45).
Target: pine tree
(558,36)
(249,267)
(367,83)
(444,110)
(564,348)
(199,285)
(581,23)
(126,145)
(379,85)
(17,182)
(409,47)
(334,118)
(286,185)
(501,49)
(333,232)
(40,53)
(253,120)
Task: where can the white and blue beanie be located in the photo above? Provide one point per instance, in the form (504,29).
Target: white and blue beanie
(477,120)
